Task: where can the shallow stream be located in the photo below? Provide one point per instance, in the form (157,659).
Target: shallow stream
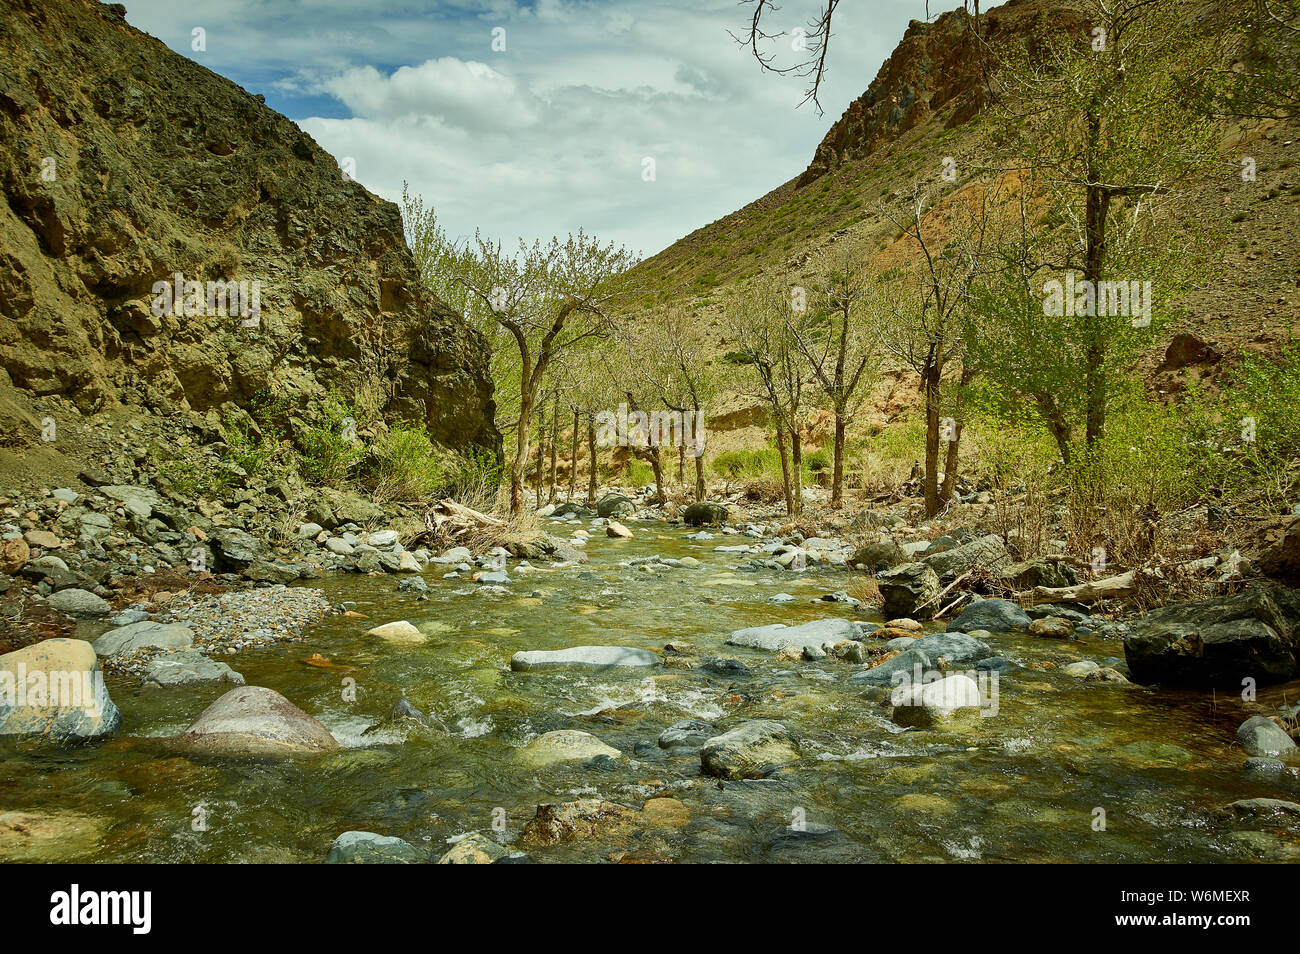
(1025,785)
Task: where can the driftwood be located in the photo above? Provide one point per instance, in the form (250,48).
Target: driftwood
(1110,588)
(448,523)
(938,596)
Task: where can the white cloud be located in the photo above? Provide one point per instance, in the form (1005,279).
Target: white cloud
(550,134)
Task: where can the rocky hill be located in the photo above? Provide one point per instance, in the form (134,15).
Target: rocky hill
(122,165)
(924,105)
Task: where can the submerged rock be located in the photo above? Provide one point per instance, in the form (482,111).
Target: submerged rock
(368,848)
(54,692)
(571,821)
(1261,736)
(399,631)
(49,836)
(563,745)
(752,749)
(475,848)
(779,636)
(685,735)
(256,721)
(592,657)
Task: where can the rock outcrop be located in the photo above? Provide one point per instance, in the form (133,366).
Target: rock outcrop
(123,164)
(934,71)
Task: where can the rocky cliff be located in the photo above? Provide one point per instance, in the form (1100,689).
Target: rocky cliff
(934,71)
(122,165)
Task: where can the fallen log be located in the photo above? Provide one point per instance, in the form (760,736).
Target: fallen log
(1110,588)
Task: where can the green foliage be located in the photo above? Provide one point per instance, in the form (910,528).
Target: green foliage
(406,465)
(639,473)
(1245,442)
(326,441)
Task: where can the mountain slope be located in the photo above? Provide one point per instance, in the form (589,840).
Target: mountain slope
(123,164)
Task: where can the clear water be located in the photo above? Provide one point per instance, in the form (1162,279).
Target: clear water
(1024,785)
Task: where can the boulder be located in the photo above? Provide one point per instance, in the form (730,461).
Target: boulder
(617,530)
(188,668)
(906,588)
(875,557)
(474,849)
(1281,559)
(997,616)
(255,721)
(367,848)
(590,657)
(1214,642)
(1044,571)
(234,549)
(685,735)
(953,700)
(42,539)
(400,631)
(145,635)
(615,505)
(53,691)
(752,749)
(922,656)
(563,745)
(1053,627)
(14,554)
(1261,736)
(704,513)
(779,636)
(79,603)
(988,551)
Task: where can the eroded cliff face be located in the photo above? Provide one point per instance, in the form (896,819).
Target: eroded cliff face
(122,164)
(934,69)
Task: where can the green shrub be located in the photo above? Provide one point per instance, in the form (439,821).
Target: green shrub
(326,441)
(406,465)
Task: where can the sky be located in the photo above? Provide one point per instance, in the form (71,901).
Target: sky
(636,121)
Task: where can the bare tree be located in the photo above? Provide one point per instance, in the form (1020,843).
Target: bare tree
(839,336)
(550,298)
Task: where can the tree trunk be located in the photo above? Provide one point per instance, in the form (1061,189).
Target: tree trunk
(591,454)
(951,461)
(1097,206)
(519,465)
(785,469)
(931,376)
(681,465)
(541,446)
(573,460)
(555,443)
(697,448)
(837,472)
(796,467)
